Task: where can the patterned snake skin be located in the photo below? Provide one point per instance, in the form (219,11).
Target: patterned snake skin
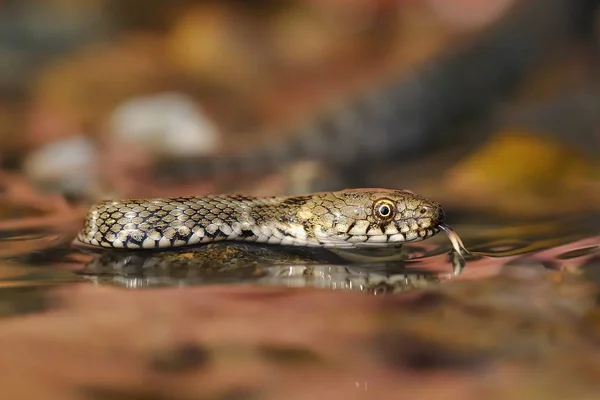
(360,218)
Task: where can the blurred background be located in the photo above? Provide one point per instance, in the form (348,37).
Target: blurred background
(489,107)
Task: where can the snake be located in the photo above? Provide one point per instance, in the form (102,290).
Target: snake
(346,219)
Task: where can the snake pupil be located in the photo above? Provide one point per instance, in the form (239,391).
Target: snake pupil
(384,209)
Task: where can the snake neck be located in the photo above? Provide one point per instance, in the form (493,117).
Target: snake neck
(282,220)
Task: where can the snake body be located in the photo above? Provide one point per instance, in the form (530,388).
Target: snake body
(358,218)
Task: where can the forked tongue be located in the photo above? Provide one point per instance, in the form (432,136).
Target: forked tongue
(457,244)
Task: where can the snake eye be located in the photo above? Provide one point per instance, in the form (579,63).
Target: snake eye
(384,209)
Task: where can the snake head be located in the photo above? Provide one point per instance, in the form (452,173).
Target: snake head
(403,216)
(374,218)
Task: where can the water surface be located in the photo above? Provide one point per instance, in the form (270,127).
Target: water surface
(246,321)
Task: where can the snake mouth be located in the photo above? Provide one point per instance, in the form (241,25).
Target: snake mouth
(440,217)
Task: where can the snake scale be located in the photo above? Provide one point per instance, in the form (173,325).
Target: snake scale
(348,219)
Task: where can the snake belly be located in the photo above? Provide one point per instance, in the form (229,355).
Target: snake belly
(345,219)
